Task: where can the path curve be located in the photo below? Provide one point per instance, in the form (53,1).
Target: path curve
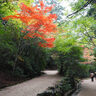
(34,86)
(88,88)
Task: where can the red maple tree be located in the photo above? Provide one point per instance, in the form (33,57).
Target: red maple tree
(38,21)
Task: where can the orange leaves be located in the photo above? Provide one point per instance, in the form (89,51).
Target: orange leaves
(38,21)
(41,4)
(49,40)
(48,9)
(11,16)
(49,45)
(53,16)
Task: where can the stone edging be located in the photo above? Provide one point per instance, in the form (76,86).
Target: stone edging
(77,90)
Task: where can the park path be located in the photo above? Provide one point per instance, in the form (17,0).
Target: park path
(34,86)
(88,88)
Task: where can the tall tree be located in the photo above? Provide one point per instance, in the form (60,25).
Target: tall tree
(39,23)
(58,9)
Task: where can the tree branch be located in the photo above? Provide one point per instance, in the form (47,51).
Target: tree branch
(87,34)
(85,5)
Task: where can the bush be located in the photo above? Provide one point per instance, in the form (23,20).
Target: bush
(19,56)
(18,72)
(69,59)
(60,89)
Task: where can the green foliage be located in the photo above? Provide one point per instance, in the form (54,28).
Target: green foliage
(78,4)
(65,43)
(71,58)
(16,52)
(83,24)
(68,53)
(65,84)
(84,28)
(30,59)
(92,12)
(27,2)
(18,72)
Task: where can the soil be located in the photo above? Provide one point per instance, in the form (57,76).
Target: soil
(8,80)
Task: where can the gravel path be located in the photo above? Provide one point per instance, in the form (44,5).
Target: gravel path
(33,86)
(88,88)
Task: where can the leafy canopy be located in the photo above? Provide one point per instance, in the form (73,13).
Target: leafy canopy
(38,21)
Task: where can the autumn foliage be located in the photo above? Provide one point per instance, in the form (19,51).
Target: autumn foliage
(39,23)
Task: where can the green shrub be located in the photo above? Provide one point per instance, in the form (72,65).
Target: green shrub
(19,56)
(69,59)
(18,72)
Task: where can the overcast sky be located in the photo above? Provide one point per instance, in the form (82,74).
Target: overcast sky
(66,4)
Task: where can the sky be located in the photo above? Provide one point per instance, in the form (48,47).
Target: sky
(66,4)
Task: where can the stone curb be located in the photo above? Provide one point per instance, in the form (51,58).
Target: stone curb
(77,89)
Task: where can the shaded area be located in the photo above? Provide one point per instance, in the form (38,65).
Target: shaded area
(6,79)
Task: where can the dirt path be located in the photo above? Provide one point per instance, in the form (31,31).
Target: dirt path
(32,87)
(88,88)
